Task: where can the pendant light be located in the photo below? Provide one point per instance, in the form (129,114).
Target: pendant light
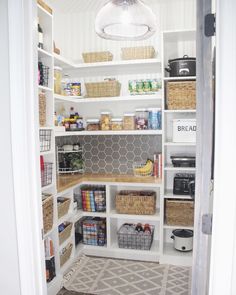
(125,20)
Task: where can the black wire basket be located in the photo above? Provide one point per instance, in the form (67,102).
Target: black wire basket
(45,138)
(46,174)
(44,74)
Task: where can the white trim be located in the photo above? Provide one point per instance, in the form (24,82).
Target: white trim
(223,259)
(25,145)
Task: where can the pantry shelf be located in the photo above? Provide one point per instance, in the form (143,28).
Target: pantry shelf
(165,226)
(169,195)
(179,111)
(171,255)
(171,168)
(45,88)
(155,217)
(110,132)
(82,100)
(169,143)
(179,78)
(43,53)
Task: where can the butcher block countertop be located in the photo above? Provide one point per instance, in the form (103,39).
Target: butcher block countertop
(68,181)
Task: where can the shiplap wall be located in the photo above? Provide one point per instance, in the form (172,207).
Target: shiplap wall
(74,25)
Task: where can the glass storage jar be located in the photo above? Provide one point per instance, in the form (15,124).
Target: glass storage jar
(93,124)
(154,118)
(129,121)
(141,119)
(57,80)
(105,121)
(116,124)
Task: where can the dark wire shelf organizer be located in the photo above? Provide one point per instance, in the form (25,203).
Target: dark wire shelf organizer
(46,174)
(45,138)
(44,75)
(67,168)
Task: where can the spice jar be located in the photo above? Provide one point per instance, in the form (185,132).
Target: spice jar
(105,121)
(93,124)
(141,119)
(57,79)
(116,124)
(129,121)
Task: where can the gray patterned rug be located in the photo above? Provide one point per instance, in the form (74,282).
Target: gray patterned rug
(126,277)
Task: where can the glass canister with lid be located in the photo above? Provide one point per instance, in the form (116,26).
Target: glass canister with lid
(116,124)
(105,121)
(57,80)
(93,124)
(154,118)
(141,119)
(129,121)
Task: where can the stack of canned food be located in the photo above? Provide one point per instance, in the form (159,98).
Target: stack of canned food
(144,86)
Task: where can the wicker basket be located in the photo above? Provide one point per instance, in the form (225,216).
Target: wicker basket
(181,95)
(90,57)
(47,206)
(142,52)
(179,212)
(42,109)
(63,207)
(136,202)
(103,89)
(65,256)
(65,234)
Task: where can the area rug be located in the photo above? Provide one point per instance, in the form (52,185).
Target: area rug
(92,275)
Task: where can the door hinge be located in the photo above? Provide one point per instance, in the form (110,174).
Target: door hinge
(207,224)
(210,25)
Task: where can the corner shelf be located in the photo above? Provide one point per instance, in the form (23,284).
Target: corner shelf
(109,132)
(187,169)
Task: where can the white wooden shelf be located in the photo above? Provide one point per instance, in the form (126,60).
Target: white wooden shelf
(112,67)
(179,111)
(179,78)
(171,168)
(41,10)
(109,132)
(168,194)
(80,213)
(169,143)
(172,227)
(45,88)
(43,53)
(44,188)
(173,256)
(130,98)
(46,153)
(155,217)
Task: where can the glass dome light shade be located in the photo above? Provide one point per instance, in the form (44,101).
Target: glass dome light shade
(125,20)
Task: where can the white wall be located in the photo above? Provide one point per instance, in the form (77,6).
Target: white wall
(74,31)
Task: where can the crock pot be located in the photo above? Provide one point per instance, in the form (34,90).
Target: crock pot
(183,239)
(185,66)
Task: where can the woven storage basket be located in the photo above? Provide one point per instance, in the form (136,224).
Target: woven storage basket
(42,109)
(179,212)
(103,89)
(181,95)
(102,56)
(65,234)
(142,52)
(63,207)
(136,202)
(66,255)
(47,205)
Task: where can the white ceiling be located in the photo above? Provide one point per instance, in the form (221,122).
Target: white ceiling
(75,6)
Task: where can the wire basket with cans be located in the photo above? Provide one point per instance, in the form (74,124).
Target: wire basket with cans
(135,236)
(45,137)
(94,231)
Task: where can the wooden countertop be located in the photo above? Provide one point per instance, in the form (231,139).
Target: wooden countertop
(67,181)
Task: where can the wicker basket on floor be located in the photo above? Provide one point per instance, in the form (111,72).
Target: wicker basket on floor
(47,205)
(65,256)
(136,202)
(90,57)
(103,89)
(181,95)
(141,52)
(63,207)
(42,109)
(65,234)
(179,212)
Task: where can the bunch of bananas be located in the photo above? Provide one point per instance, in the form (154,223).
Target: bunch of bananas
(144,170)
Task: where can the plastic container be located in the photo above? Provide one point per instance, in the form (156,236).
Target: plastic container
(76,89)
(141,119)
(93,124)
(116,124)
(105,121)
(129,121)
(57,80)
(154,118)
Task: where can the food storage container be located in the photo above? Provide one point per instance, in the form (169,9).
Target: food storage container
(105,121)
(57,80)
(76,89)
(154,118)
(141,119)
(129,121)
(116,124)
(93,124)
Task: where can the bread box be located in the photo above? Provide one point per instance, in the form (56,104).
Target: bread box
(184,130)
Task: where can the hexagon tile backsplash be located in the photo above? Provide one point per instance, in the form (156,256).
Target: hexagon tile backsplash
(114,154)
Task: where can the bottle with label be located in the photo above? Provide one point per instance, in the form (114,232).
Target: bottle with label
(40,36)
(72,113)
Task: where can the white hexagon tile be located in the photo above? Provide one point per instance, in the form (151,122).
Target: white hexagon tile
(114,154)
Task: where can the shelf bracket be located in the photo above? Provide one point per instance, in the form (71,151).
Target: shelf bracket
(210,25)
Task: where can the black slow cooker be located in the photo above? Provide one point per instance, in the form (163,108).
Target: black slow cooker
(185,66)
